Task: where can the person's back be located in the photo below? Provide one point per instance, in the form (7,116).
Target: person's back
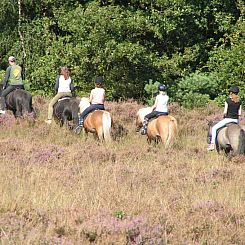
(12,80)
(97,95)
(15,77)
(162,103)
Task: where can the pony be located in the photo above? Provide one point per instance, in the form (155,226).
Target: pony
(66,112)
(19,101)
(162,128)
(97,122)
(230,138)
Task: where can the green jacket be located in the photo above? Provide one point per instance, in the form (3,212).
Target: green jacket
(13,76)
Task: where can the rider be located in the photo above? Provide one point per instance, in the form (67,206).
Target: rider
(64,87)
(97,99)
(12,80)
(232,111)
(159,108)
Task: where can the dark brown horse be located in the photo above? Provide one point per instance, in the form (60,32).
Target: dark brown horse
(66,112)
(19,102)
(230,139)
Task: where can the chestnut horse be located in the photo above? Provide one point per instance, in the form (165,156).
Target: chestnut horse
(162,127)
(98,122)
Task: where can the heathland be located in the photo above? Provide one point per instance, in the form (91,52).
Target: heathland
(58,188)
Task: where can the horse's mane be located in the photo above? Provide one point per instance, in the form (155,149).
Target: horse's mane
(84,103)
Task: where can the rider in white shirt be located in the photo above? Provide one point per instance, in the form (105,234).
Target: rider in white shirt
(159,108)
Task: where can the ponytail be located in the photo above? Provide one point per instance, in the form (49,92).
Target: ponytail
(65,72)
(234,97)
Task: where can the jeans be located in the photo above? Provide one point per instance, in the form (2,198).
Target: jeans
(220,125)
(91,108)
(154,114)
(54,100)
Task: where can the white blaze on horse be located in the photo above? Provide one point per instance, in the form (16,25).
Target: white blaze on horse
(98,122)
(162,127)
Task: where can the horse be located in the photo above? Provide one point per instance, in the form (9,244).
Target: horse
(162,128)
(230,139)
(98,122)
(19,101)
(66,112)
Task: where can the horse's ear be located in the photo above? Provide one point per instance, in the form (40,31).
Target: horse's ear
(77,88)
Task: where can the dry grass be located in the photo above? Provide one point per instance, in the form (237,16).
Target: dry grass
(58,188)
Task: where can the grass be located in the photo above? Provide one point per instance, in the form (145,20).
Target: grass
(58,188)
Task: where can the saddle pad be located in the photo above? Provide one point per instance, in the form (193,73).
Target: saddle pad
(64,98)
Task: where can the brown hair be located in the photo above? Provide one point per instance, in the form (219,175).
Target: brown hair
(65,72)
(234,97)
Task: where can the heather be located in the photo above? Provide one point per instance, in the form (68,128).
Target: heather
(60,188)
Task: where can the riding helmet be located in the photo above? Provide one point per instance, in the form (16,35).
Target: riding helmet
(98,80)
(234,90)
(162,87)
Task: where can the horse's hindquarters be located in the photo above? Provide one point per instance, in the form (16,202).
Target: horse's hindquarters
(164,127)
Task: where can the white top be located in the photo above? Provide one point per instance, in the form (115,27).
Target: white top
(161,103)
(64,85)
(97,96)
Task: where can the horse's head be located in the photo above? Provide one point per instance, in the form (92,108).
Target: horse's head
(141,113)
(84,103)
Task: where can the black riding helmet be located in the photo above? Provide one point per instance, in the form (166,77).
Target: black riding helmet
(162,87)
(98,80)
(234,90)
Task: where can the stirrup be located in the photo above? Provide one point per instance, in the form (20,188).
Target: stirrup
(78,129)
(211,147)
(143,131)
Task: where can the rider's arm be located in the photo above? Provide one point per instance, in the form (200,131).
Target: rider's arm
(91,96)
(226,108)
(57,84)
(240,111)
(72,88)
(155,104)
(6,77)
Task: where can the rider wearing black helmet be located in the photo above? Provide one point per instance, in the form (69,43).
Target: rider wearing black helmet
(97,100)
(232,112)
(159,108)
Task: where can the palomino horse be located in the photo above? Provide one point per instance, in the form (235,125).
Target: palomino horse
(19,102)
(98,122)
(66,112)
(230,139)
(163,127)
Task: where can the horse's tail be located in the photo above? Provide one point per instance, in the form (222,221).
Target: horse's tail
(241,145)
(106,124)
(172,130)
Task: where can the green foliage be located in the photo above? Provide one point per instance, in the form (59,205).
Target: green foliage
(120,214)
(127,44)
(191,100)
(151,89)
(196,89)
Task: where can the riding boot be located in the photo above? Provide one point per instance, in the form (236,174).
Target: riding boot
(78,129)
(3,107)
(143,130)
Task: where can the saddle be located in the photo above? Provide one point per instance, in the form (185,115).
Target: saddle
(64,98)
(210,131)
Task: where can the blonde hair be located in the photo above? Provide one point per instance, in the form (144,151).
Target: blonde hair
(234,97)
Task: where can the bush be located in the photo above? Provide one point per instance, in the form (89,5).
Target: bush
(196,90)
(192,100)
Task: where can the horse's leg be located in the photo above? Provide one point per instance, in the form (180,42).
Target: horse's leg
(18,112)
(100,133)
